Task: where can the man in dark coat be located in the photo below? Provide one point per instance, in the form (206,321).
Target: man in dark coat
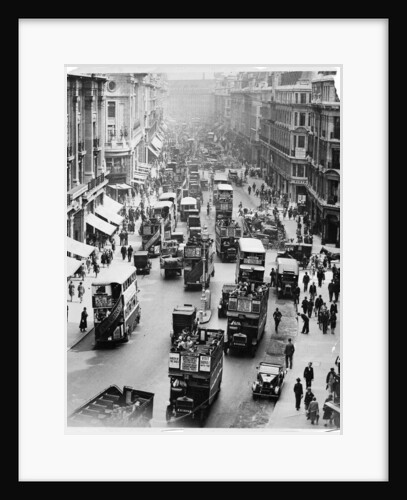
(289,352)
(123,251)
(313,290)
(336,289)
(334,307)
(309,396)
(273,277)
(305,280)
(320,277)
(305,328)
(129,252)
(296,294)
(308,374)
(318,304)
(277,318)
(298,391)
(331,290)
(304,305)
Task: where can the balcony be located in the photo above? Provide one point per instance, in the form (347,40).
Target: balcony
(81,148)
(335,136)
(96,144)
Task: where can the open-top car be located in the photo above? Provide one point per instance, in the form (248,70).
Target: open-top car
(269,381)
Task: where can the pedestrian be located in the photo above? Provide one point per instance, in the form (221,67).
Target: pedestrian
(324,318)
(289,352)
(310,307)
(113,245)
(249,189)
(308,375)
(129,252)
(336,289)
(318,304)
(296,296)
(309,396)
(81,292)
(96,269)
(320,277)
(305,328)
(123,251)
(273,277)
(305,280)
(103,259)
(331,290)
(313,411)
(71,290)
(126,238)
(333,322)
(330,380)
(277,318)
(298,391)
(82,271)
(88,264)
(304,305)
(313,290)
(328,412)
(83,325)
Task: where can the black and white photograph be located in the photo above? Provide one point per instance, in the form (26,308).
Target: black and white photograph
(210,211)
(214,198)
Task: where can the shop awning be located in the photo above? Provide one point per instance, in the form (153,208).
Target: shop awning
(100,224)
(111,204)
(111,216)
(78,248)
(72,265)
(153,150)
(157,143)
(120,187)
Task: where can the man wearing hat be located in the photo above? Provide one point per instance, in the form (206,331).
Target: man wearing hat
(298,391)
(308,398)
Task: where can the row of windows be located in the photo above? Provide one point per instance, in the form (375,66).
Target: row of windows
(293,97)
(131,279)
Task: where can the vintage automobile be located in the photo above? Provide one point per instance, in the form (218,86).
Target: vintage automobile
(223,301)
(269,381)
(142,262)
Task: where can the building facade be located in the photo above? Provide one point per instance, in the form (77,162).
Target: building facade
(86,178)
(323,202)
(124,132)
(285,124)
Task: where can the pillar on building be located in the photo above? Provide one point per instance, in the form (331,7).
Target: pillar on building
(89,170)
(75,140)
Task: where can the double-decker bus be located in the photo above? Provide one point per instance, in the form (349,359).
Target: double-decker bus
(251,260)
(168,211)
(116,308)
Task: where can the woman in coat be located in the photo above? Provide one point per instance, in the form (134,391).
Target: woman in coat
(83,325)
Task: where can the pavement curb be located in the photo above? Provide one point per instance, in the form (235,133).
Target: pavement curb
(77,340)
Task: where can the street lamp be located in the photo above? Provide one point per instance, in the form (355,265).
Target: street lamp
(205,239)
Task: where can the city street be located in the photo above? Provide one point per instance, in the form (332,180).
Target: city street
(142,363)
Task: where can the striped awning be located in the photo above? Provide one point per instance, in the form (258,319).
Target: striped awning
(78,248)
(72,265)
(111,204)
(111,216)
(100,224)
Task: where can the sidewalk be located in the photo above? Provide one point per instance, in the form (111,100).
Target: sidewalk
(74,335)
(321,349)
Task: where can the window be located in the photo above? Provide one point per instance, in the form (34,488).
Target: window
(296,98)
(294,170)
(301,141)
(300,170)
(111,109)
(309,119)
(111,133)
(295,119)
(302,119)
(303,98)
